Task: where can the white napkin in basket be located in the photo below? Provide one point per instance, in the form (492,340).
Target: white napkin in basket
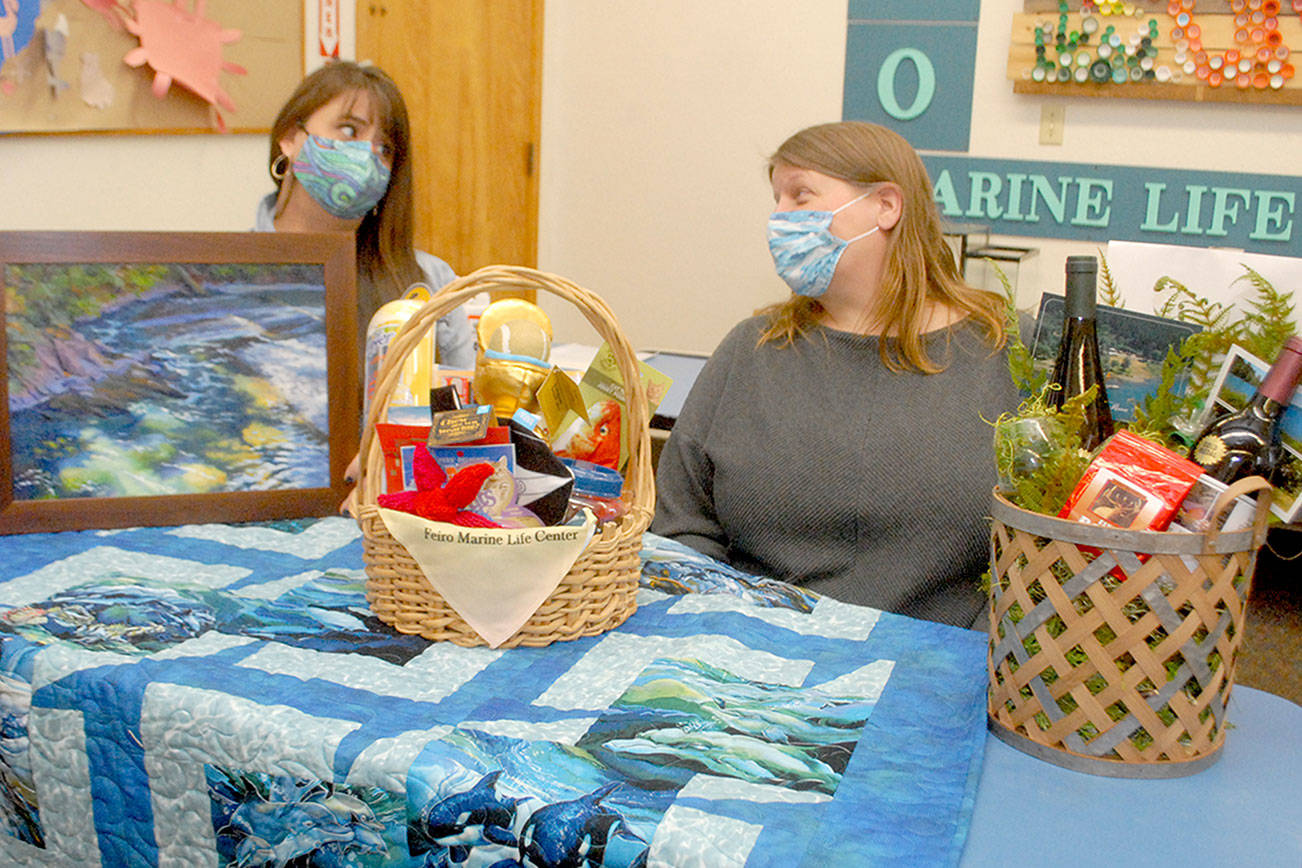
(495,578)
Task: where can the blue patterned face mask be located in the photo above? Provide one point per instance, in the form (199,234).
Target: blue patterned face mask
(344,177)
(804,249)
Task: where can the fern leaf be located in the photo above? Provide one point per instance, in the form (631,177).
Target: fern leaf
(1109,294)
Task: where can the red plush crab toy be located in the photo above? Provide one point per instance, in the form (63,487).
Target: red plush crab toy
(439,498)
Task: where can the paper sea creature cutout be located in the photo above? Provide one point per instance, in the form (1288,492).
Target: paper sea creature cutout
(183,47)
(56,43)
(113,12)
(96,90)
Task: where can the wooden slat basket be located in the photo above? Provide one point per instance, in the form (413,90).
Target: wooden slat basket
(1113,651)
(600,591)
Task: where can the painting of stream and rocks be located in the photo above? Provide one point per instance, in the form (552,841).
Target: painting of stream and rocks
(146,380)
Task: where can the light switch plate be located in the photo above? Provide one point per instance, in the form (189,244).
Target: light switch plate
(1052,117)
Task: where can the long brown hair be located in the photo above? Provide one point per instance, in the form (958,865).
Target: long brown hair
(920,265)
(386,258)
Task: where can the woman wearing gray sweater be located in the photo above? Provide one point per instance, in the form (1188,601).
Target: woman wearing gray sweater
(838,440)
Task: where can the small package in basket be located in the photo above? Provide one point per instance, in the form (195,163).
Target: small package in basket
(1133,483)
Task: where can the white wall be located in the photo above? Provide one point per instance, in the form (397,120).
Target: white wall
(657,121)
(657,118)
(137,182)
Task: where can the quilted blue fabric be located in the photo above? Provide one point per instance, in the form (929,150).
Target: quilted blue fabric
(221,694)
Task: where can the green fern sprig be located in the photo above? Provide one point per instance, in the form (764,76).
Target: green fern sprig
(1021,364)
(1269,320)
(1109,294)
(1160,412)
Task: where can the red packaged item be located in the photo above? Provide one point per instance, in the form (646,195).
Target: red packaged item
(1133,483)
(397,444)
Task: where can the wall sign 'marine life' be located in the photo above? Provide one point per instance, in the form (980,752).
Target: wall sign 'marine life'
(910,65)
(1120,203)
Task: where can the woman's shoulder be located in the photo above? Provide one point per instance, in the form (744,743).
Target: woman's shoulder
(744,335)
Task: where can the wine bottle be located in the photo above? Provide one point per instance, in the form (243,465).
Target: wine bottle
(1247,442)
(1077,366)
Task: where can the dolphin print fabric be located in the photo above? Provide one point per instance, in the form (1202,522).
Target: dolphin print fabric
(222,695)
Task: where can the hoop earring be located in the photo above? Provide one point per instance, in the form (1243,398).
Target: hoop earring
(279,167)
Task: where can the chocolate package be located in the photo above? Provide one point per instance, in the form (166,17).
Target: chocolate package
(1133,483)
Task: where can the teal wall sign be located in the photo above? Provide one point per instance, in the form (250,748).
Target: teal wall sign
(1258,213)
(908,66)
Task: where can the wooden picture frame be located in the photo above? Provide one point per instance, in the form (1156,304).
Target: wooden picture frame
(167,378)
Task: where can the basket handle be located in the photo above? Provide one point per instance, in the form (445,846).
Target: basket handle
(497,277)
(1246,485)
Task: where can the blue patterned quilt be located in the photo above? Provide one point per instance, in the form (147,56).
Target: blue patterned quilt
(221,695)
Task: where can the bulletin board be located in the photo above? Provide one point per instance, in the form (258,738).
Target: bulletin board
(64,70)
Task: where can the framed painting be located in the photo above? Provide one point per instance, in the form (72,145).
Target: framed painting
(164,378)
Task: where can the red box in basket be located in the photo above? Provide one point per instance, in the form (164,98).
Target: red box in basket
(1133,483)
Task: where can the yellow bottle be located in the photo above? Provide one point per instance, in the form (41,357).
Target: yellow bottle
(412,387)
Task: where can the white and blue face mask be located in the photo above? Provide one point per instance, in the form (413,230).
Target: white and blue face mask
(345,177)
(804,249)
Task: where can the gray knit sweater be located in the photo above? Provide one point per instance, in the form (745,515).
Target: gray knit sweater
(816,464)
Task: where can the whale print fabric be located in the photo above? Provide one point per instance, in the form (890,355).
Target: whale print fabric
(222,695)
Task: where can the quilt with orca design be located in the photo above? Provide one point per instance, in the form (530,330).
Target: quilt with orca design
(221,695)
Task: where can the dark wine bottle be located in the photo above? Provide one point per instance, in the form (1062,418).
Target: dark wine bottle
(1247,442)
(1078,366)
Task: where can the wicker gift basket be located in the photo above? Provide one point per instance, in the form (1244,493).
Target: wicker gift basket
(1113,651)
(599,592)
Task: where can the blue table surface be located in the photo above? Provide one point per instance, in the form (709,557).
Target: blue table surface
(1246,809)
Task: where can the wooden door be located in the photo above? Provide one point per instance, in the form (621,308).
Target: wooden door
(470,71)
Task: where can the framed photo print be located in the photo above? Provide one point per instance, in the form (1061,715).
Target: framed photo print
(159,378)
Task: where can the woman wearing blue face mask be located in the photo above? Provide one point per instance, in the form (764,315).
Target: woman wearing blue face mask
(836,439)
(340,157)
